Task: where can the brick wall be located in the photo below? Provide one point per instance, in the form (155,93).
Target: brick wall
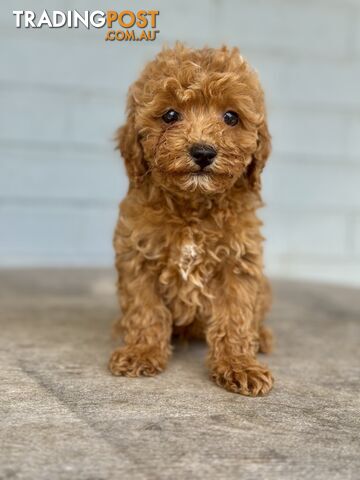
(62,96)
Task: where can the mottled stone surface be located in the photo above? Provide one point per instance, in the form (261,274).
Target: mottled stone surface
(63,416)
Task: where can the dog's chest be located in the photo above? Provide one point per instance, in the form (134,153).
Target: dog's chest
(188,256)
(193,260)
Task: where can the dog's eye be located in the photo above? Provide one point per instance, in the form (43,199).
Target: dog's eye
(231,118)
(171,116)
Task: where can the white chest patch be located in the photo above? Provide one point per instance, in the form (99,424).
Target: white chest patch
(187,259)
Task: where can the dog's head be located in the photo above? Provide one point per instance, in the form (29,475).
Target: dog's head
(196,122)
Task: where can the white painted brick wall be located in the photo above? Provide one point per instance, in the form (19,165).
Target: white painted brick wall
(46,233)
(296,233)
(62,95)
(50,174)
(356,233)
(312,186)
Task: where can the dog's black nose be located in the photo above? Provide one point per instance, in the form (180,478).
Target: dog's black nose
(202,154)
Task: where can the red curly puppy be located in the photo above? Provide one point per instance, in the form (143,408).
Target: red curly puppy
(188,242)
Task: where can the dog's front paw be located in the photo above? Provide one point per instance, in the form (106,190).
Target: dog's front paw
(136,360)
(246,377)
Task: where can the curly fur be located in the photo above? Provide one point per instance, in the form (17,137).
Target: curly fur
(188,247)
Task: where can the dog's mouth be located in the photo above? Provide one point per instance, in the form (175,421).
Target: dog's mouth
(201,173)
(182,172)
(209,174)
(194,173)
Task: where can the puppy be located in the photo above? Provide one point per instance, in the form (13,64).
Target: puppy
(188,243)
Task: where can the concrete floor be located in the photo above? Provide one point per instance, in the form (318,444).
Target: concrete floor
(63,416)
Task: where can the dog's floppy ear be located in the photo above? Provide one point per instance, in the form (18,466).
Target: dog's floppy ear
(129,145)
(260,156)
